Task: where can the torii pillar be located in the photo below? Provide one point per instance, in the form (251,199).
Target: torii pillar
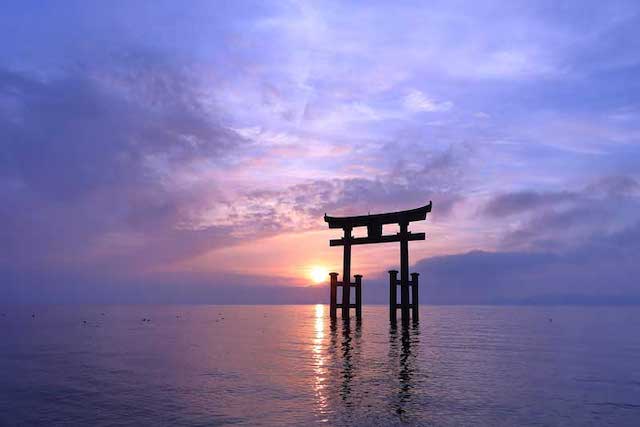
(346,273)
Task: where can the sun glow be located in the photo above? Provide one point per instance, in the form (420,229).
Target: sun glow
(318,274)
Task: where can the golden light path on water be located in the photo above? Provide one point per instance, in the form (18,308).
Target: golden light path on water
(320,368)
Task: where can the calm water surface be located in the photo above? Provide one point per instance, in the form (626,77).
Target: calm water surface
(289,365)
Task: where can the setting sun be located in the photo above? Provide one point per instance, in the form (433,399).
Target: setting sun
(318,274)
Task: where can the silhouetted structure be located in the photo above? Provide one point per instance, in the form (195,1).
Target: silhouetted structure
(374,223)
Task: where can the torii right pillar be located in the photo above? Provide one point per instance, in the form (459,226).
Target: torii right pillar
(409,303)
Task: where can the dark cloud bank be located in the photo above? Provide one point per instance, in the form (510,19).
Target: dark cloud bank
(601,272)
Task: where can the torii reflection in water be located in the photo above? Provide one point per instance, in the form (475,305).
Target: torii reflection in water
(359,380)
(408,350)
(349,363)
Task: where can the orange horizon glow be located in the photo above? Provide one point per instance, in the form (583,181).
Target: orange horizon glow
(280,256)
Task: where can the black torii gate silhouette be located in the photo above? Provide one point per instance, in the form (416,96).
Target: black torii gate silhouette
(374,225)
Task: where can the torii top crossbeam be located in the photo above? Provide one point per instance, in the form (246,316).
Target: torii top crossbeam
(417,214)
(374,225)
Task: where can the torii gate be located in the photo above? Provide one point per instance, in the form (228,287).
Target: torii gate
(374,225)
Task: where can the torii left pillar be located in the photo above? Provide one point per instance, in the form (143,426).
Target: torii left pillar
(345,304)
(333,307)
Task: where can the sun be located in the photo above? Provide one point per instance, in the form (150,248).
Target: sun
(318,274)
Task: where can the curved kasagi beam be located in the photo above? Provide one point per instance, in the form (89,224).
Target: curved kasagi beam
(417,214)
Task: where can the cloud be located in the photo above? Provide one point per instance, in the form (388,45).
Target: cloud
(616,186)
(525,202)
(566,218)
(413,180)
(515,64)
(417,101)
(96,166)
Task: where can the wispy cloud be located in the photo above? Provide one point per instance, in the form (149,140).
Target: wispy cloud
(417,101)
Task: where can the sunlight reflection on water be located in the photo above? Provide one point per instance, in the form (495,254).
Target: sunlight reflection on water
(320,369)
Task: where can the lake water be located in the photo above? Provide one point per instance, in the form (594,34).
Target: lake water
(289,365)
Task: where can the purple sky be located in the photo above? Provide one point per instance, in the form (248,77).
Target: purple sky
(186,152)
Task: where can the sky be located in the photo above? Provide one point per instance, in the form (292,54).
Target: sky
(186,152)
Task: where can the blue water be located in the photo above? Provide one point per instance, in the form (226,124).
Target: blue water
(288,365)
